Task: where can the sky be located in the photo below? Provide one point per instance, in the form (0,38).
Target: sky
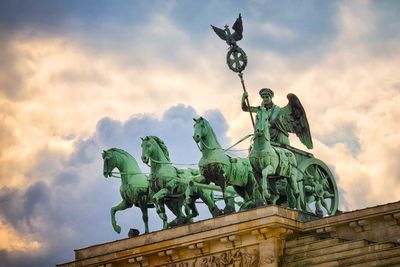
(80,77)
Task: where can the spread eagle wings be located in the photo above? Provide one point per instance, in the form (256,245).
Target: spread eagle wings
(220,32)
(295,120)
(237,26)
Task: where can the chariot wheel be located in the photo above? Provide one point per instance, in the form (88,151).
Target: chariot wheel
(236,59)
(319,191)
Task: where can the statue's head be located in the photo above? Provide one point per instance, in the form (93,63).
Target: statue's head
(266,92)
(266,95)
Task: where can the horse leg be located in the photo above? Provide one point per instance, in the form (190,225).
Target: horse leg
(176,208)
(189,192)
(253,191)
(293,182)
(325,205)
(121,206)
(309,200)
(189,210)
(264,185)
(160,206)
(242,193)
(208,199)
(318,210)
(229,202)
(145,217)
(291,199)
(193,209)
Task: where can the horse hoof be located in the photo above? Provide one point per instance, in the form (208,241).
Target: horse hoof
(216,212)
(260,203)
(178,222)
(319,213)
(117,229)
(133,232)
(229,210)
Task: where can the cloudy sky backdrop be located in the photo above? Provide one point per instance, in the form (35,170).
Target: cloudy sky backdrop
(78,77)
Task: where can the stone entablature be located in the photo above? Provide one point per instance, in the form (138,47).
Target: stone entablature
(253,238)
(378,224)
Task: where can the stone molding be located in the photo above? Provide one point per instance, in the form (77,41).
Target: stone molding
(378,224)
(253,238)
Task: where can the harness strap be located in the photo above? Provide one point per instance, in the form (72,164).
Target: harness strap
(238,142)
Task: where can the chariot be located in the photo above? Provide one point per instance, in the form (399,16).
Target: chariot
(317,185)
(316,191)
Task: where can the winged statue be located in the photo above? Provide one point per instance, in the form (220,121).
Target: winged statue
(226,35)
(289,119)
(294,120)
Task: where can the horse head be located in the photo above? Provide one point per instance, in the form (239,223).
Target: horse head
(109,162)
(199,129)
(147,149)
(261,122)
(205,135)
(153,148)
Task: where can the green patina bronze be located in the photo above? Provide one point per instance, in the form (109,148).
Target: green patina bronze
(289,176)
(134,187)
(217,167)
(170,184)
(200,181)
(267,160)
(235,58)
(291,118)
(319,186)
(274,173)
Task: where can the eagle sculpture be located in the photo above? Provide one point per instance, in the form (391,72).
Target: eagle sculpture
(226,35)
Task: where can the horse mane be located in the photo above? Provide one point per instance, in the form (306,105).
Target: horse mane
(162,145)
(121,151)
(212,131)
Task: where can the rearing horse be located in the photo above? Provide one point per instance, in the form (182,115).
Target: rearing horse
(170,183)
(268,160)
(217,167)
(134,187)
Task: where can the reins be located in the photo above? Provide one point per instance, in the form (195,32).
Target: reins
(113,174)
(162,162)
(238,142)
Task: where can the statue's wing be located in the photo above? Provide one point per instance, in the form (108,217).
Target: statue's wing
(295,120)
(238,27)
(220,32)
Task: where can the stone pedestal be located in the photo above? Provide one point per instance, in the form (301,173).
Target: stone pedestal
(257,237)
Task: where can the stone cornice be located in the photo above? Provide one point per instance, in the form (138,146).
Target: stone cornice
(244,232)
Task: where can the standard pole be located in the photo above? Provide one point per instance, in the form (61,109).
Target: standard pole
(247,99)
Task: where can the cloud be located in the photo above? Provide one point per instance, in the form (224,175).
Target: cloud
(66,201)
(15,73)
(275,31)
(7,136)
(83,77)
